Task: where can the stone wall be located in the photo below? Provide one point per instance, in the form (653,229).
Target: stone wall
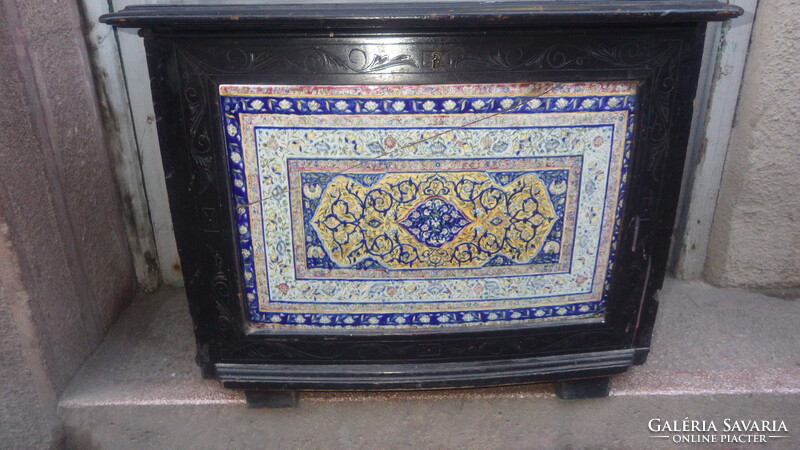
(755,239)
(65,267)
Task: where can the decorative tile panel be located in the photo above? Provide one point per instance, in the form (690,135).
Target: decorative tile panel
(434,214)
(427,206)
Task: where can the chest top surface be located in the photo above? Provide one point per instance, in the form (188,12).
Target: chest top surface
(438,14)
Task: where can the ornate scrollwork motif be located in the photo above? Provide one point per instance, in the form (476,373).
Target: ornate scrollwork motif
(428,220)
(357,60)
(307,59)
(200,147)
(553,57)
(220,291)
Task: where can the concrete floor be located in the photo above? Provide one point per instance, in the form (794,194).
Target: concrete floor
(717,354)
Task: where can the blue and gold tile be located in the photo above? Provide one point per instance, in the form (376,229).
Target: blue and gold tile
(426,206)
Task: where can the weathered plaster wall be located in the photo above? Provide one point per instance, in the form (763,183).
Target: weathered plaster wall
(755,239)
(26,395)
(66,268)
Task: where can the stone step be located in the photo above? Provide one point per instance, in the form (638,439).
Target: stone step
(717,354)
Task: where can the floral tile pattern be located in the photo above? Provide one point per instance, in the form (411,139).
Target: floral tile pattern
(436,222)
(427,206)
(390,215)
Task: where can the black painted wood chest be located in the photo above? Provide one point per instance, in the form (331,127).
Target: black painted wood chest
(423,195)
